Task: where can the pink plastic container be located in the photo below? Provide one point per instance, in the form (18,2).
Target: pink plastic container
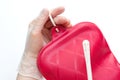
(63,57)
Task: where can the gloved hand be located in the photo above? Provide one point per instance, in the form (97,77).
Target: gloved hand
(38,35)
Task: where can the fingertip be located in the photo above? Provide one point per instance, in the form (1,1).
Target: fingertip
(68,24)
(61,8)
(57,11)
(61,20)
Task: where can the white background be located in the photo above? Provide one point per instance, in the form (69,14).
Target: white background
(15,16)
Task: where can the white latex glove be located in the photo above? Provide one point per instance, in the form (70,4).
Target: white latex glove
(38,34)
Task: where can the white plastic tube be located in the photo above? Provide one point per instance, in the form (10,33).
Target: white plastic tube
(86,49)
(51,19)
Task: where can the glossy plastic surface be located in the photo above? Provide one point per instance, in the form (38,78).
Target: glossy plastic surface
(63,57)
